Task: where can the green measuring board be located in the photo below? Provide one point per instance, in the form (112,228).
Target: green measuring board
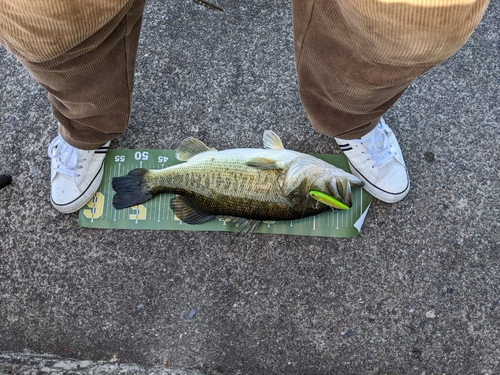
(156,213)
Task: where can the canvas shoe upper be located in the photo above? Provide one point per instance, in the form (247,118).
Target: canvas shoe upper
(376,158)
(75,174)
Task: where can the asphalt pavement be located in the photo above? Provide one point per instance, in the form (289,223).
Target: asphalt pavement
(416,292)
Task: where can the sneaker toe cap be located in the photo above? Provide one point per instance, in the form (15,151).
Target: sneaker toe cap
(390,184)
(390,188)
(68,196)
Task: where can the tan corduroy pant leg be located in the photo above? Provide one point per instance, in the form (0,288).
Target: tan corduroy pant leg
(90,86)
(355,58)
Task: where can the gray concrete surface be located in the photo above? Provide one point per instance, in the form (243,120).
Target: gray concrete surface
(418,292)
(31,363)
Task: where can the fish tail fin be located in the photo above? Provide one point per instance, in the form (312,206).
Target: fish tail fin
(130,189)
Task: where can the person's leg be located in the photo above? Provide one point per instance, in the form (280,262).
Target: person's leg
(90,91)
(90,86)
(355,58)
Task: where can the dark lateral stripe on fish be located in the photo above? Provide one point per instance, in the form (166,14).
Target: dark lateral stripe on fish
(128,189)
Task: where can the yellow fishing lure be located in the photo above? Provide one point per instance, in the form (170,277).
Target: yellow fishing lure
(326,199)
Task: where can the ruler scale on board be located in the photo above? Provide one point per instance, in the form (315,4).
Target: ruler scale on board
(157,215)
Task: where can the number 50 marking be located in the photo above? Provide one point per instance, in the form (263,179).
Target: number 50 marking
(141,155)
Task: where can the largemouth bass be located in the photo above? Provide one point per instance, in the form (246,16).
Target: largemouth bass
(244,185)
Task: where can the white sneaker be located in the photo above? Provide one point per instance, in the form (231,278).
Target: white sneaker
(376,158)
(75,174)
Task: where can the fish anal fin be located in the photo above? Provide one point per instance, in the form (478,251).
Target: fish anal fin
(187,213)
(243,225)
(272,141)
(265,163)
(191,147)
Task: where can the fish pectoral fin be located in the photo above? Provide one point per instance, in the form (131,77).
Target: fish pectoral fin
(272,141)
(187,213)
(340,188)
(191,147)
(243,225)
(265,163)
(344,188)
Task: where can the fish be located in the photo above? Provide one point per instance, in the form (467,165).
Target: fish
(243,186)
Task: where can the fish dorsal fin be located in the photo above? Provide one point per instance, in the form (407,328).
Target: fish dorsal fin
(272,140)
(191,147)
(187,213)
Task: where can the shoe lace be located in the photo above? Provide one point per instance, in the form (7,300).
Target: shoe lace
(66,156)
(377,145)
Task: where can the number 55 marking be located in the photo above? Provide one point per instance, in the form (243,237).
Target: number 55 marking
(96,204)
